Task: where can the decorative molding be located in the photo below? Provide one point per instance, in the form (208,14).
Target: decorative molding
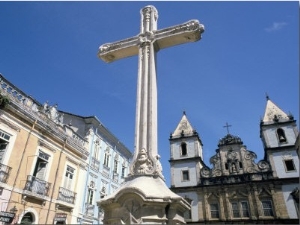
(72,160)
(83,166)
(46,145)
(104,181)
(11,125)
(287,155)
(105,174)
(93,175)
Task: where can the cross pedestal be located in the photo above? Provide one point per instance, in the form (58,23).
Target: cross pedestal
(145,184)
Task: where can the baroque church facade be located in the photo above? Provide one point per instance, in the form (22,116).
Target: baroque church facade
(54,165)
(237,189)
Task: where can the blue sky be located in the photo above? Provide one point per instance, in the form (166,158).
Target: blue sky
(248,49)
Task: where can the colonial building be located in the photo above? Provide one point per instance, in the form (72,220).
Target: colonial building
(237,189)
(107,164)
(50,162)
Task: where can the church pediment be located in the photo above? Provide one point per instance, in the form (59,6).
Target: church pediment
(235,165)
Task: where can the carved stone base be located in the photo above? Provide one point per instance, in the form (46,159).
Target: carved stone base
(143,200)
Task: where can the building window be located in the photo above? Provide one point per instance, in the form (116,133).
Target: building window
(185,175)
(90,196)
(188,213)
(241,165)
(245,209)
(69,177)
(41,165)
(214,211)
(103,191)
(4,141)
(183,149)
(116,162)
(226,166)
(96,149)
(240,209)
(235,209)
(281,135)
(106,159)
(28,218)
(123,170)
(289,165)
(267,208)
(116,166)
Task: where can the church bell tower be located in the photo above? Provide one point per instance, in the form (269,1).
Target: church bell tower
(278,131)
(186,155)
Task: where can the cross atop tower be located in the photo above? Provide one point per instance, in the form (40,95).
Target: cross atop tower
(146,44)
(227,127)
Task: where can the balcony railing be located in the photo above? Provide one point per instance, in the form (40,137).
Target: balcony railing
(95,164)
(4,173)
(89,209)
(105,171)
(33,109)
(37,186)
(66,195)
(115,177)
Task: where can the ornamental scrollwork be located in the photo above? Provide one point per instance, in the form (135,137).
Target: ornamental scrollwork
(205,172)
(263,165)
(250,155)
(216,173)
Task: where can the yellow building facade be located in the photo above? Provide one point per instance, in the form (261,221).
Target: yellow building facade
(43,164)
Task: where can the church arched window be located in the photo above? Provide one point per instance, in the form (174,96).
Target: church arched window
(281,135)
(183,149)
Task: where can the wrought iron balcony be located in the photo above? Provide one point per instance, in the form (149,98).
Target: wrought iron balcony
(36,186)
(4,173)
(89,209)
(66,195)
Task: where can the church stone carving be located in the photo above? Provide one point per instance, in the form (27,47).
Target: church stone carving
(143,164)
(233,163)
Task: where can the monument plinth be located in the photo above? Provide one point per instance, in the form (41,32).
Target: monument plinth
(144,196)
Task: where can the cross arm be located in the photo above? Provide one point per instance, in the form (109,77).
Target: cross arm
(187,32)
(110,52)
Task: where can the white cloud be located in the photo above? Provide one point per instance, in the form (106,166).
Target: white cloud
(276,26)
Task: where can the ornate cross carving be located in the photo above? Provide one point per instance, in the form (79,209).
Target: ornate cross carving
(146,45)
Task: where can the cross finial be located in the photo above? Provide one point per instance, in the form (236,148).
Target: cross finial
(267,96)
(227,127)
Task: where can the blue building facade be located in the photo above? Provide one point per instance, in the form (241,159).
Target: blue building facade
(106,166)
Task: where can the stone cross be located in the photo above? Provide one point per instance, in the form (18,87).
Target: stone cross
(146,44)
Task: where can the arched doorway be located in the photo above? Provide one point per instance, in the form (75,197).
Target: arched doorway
(27,218)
